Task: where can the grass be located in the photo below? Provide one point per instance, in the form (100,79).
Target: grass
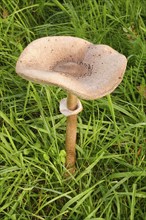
(109,183)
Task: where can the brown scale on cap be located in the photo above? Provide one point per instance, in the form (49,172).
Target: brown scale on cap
(73,69)
(87,70)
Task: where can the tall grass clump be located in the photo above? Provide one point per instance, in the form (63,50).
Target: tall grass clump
(109,183)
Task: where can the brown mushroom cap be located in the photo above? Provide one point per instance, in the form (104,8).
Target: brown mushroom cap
(87,70)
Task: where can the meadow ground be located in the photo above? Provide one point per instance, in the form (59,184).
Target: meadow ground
(110,181)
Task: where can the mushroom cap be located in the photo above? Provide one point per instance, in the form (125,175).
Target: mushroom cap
(84,69)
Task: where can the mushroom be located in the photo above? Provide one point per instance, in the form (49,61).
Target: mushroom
(83,69)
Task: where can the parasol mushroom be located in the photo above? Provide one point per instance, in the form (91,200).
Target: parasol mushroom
(83,69)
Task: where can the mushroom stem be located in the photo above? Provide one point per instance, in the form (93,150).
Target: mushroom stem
(71,129)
